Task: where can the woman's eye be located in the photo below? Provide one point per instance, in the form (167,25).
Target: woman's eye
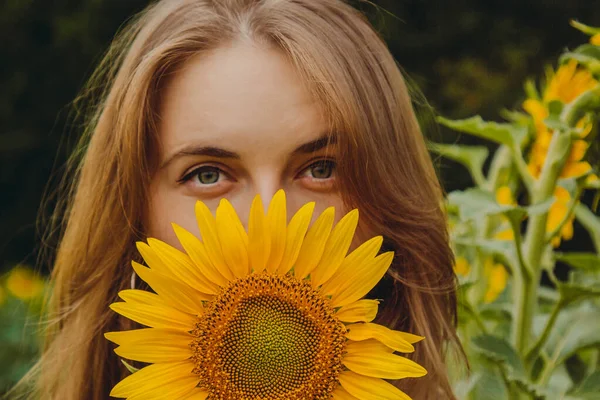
(205,175)
(323,169)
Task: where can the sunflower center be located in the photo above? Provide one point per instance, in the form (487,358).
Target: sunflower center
(269,337)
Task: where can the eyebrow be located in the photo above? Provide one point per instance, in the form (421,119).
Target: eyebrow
(217,152)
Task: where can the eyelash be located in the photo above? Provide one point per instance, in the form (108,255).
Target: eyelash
(187,177)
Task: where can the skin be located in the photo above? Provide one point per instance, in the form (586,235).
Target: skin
(236,122)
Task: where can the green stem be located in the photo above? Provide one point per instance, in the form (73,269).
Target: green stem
(533,352)
(535,242)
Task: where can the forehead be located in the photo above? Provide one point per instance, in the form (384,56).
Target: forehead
(243,95)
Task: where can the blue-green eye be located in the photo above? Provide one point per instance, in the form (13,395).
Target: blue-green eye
(322,169)
(205,175)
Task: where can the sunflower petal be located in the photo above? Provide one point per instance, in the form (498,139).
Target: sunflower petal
(152,345)
(164,381)
(314,244)
(141,297)
(368,345)
(208,231)
(233,238)
(397,340)
(259,241)
(181,266)
(151,258)
(155,316)
(362,280)
(383,365)
(196,251)
(358,259)
(335,249)
(576,169)
(176,294)
(366,388)
(296,232)
(359,311)
(341,394)
(277,219)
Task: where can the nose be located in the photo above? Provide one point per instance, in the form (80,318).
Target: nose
(265,184)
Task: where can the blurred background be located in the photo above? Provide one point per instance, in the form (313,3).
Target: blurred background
(466,57)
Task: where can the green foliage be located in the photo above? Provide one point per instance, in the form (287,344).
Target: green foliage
(536,340)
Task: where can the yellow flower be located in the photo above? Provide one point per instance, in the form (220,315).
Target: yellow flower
(557,213)
(497,278)
(565,85)
(461,266)
(272,313)
(595,39)
(505,197)
(24,284)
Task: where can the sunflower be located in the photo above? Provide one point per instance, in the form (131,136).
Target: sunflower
(565,85)
(272,313)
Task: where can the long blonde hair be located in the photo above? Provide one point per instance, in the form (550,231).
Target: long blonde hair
(384,170)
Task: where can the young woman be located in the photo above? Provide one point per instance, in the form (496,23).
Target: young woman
(205,99)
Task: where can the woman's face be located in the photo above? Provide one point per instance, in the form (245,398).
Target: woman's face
(235,123)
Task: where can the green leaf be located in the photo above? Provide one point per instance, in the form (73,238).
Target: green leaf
(474,203)
(472,157)
(576,328)
(585,261)
(509,134)
(590,62)
(129,367)
(499,350)
(589,388)
(589,30)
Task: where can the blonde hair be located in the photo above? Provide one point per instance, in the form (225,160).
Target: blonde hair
(384,170)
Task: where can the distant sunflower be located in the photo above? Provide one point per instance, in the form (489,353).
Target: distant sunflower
(272,313)
(565,85)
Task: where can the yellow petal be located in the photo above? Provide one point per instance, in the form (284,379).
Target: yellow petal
(368,345)
(504,196)
(233,239)
(575,170)
(567,230)
(383,365)
(277,219)
(141,297)
(356,260)
(181,266)
(174,293)
(461,266)
(506,234)
(336,249)
(362,280)
(152,345)
(595,40)
(498,278)
(397,340)
(196,251)
(341,394)
(171,380)
(208,231)
(366,388)
(296,231)
(314,243)
(155,316)
(151,258)
(578,149)
(359,311)
(259,239)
